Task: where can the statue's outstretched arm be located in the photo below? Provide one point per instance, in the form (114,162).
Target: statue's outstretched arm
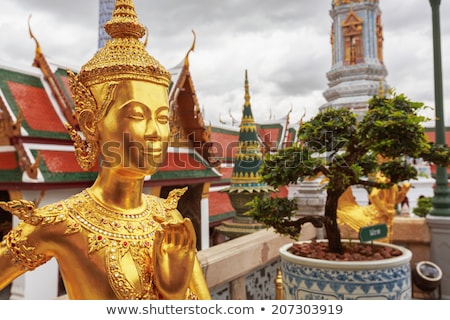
(17,252)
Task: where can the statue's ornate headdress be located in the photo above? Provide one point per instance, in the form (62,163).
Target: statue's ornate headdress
(123,57)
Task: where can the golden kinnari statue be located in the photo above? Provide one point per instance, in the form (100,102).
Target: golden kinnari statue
(112,241)
(380,210)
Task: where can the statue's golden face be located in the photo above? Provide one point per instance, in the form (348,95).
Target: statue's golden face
(133,135)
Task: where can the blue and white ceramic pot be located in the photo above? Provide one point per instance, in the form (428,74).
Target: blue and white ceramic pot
(314,279)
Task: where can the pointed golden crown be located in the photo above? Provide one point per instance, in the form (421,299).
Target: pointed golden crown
(124,56)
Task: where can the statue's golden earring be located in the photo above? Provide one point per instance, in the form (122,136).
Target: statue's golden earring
(86,151)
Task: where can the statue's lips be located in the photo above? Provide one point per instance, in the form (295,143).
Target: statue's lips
(155,152)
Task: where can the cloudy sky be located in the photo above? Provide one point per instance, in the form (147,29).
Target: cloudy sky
(284,45)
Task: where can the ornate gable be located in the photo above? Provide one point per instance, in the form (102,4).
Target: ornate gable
(187,126)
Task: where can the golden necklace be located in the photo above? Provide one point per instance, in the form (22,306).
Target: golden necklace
(117,235)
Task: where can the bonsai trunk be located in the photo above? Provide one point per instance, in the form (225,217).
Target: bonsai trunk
(331,227)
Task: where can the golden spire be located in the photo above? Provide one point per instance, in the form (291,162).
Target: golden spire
(247,91)
(124,56)
(124,21)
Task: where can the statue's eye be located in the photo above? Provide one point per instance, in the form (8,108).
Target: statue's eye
(134,112)
(136,115)
(163,119)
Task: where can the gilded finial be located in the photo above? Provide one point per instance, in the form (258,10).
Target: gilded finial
(288,117)
(247,116)
(124,22)
(124,56)
(38,47)
(247,91)
(186,59)
(279,294)
(300,123)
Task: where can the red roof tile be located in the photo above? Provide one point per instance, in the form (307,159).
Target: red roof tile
(224,145)
(271,136)
(35,103)
(61,161)
(8,160)
(281,193)
(219,203)
(226,172)
(65,81)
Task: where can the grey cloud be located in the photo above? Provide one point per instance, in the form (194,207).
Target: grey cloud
(230,34)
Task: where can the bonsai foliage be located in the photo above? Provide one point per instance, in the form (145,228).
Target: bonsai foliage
(424,206)
(346,151)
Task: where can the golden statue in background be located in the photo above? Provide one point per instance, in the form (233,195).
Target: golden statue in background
(112,241)
(380,210)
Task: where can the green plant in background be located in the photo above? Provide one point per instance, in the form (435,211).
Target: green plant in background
(424,206)
(345,152)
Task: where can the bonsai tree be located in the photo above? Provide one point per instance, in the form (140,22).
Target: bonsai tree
(346,151)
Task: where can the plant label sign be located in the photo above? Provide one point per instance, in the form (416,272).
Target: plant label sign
(370,233)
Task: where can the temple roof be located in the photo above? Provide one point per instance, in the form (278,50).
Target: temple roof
(36,151)
(25,98)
